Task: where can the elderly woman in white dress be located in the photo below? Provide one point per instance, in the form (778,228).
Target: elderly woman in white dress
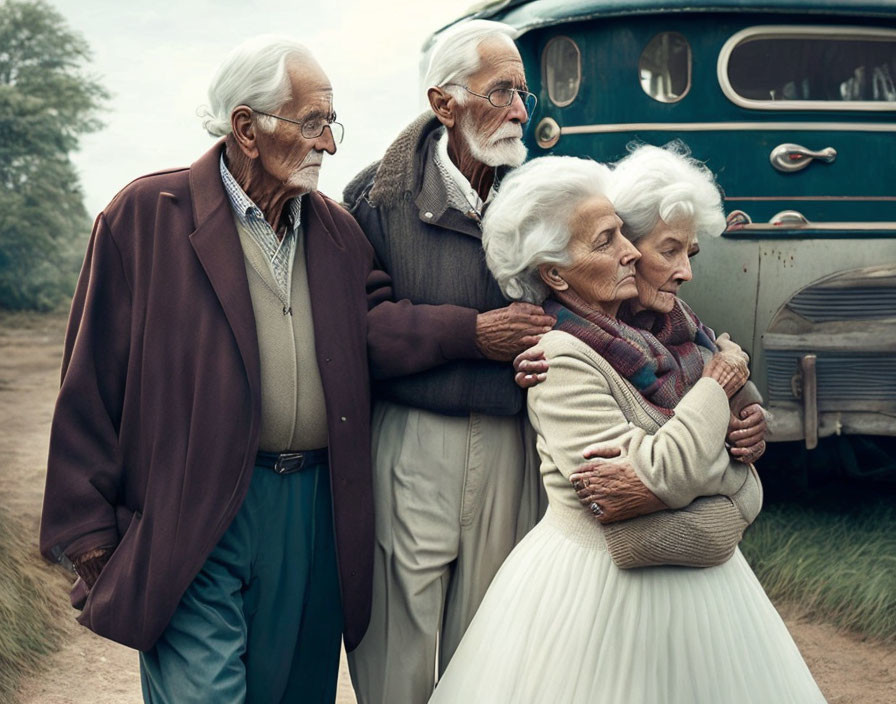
(561,621)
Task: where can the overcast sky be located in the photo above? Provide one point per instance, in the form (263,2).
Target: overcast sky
(157,60)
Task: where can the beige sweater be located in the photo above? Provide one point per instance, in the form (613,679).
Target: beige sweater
(293,410)
(584,401)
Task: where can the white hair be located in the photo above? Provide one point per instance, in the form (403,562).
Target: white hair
(253,74)
(665,183)
(528,222)
(455,54)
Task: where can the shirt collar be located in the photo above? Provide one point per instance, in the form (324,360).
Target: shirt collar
(472,197)
(244,207)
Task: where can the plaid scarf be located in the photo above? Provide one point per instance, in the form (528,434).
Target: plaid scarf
(659,353)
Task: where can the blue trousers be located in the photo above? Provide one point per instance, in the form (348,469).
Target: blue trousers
(262,621)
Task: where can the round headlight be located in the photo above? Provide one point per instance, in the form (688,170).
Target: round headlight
(547,134)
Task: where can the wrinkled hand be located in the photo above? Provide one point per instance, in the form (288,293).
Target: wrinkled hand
(89,565)
(726,344)
(746,435)
(728,366)
(531,367)
(503,333)
(612,491)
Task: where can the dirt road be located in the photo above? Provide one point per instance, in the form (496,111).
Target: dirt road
(90,670)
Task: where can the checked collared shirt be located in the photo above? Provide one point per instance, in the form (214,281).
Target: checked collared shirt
(279,253)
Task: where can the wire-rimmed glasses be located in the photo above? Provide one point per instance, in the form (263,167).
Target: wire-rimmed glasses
(503,97)
(313,127)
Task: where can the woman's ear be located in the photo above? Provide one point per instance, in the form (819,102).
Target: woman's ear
(553,277)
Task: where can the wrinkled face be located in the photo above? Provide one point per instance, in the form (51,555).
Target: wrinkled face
(602,271)
(493,135)
(664,265)
(285,155)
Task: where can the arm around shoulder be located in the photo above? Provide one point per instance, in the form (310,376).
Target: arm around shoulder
(582,403)
(404,337)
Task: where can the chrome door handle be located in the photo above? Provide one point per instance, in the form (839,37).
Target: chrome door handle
(736,220)
(793,157)
(793,218)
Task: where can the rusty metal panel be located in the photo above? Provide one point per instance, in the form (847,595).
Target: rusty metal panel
(723,291)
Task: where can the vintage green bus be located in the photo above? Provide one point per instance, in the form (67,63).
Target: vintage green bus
(792,105)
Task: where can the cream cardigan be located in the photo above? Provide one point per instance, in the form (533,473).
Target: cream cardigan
(584,400)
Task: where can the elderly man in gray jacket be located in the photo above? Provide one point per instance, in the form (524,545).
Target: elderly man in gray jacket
(454,460)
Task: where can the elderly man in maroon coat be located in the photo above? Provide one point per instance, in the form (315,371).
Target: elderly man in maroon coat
(209,469)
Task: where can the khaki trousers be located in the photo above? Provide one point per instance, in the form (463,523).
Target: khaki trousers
(452,497)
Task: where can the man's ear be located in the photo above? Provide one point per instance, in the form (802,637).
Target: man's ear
(443,104)
(244,130)
(552,276)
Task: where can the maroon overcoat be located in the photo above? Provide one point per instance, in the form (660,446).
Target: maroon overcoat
(156,426)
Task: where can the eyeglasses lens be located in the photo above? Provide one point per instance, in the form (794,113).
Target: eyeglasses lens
(503,97)
(314,129)
(338,132)
(530,101)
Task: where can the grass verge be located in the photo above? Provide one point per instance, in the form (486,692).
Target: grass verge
(29,604)
(830,559)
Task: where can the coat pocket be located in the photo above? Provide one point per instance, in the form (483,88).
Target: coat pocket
(127,522)
(80,591)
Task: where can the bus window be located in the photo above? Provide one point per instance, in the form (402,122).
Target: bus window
(561,70)
(810,67)
(665,67)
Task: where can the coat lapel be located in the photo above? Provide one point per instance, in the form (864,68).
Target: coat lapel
(217,245)
(325,257)
(321,252)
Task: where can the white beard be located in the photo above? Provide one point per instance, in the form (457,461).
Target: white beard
(504,148)
(307,173)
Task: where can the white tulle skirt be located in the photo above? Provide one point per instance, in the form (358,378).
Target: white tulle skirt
(562,624)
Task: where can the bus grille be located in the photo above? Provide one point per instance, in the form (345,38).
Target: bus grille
(853,377)
(820,304)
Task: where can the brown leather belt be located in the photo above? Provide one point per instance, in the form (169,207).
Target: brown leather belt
(290,462)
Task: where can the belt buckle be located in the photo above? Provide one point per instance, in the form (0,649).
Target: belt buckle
(289,462)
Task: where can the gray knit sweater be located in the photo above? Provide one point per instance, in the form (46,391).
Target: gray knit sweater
(433,254)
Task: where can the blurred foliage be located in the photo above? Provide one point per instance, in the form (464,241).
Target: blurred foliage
(47,101)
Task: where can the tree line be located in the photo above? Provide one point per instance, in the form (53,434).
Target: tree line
(48,100)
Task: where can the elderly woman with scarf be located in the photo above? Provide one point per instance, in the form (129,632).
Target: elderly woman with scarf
(561,621)
(651,188)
